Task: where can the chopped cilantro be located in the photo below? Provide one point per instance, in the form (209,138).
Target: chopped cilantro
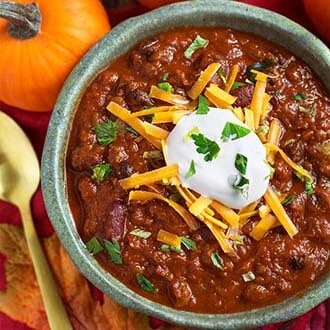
(236,85)
(145,284)
(168,248)
(106,132)
(233,131)
(140,233)
(241,183)
(188,243)
(166,86)
(113,249)
(289,199)
(248,277)
(194,130)
(132,130)
(311,111)
(301,96)
(217,260)
(101,172)
(94,246)
(206,146)
(241,163)
(191,170)
(199,42)
(309,188)
(203,106)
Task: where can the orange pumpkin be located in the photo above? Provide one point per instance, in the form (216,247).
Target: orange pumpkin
(40,43)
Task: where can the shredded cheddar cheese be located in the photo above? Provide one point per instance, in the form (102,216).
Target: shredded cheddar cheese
(232,77)
(169,238)
(238,112)
(249,119)
(169,116)
(226,213)
(198,206)
(165,96)
(155,131)
(219,97)
(151,111)
(268,222)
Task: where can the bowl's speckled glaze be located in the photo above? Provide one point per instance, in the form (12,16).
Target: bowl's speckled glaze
(193,13)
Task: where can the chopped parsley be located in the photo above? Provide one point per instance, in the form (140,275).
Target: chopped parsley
(113,249)
(301,96)
(217,260)
(199,42)
(188,243)
(194,130)
(233,131)
(289,199)
(94,246)
(153,154)
(168,248)
(236,85)
(140,233)
(191,170)
(203,106)
(166,86)
(248,277)
(311,111)
(145,284)
(132,130)
(241,163)
(206,146)
(106,132)
(241,183)
(101,172)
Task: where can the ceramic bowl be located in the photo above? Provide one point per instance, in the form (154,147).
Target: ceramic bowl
(192,13)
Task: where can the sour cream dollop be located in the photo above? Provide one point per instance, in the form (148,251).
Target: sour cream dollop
(219,178)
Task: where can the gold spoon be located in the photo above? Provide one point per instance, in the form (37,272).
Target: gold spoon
(19,179)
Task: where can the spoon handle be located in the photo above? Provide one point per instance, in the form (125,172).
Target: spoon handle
(55,310)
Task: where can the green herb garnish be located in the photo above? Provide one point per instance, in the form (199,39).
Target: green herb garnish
(194,130)
(222,76)
(166,86)
(199,42)
(301,96)
(101,172)
(140,233)
(311,111)
(289,199)
(271,170)
(233,131)
(188,243)
(113,249)
(236,85)
(191,170)
(241,183)
(132,130)
(259,66)
(203,106)
(106,132)
(248,277)
(165,76)
(94,246)
(168,248)
(153,154)
(309,188)
(217,260)
(241,163)
(145,284)
(206,146)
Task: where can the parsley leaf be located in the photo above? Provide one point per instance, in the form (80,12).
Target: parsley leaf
(301,96)
(145,284)
(217,260)
(311,111)
(289,199)
(94,246)
(188,243)
(199,42)
(241,183)
(233,131)
(194,130)
(206,146)
(203,106)
(106,132)
(241,163)
(140,233)
(166,86)
(113,249)
(191,170)
(236,85)
(101,172)
(168,248)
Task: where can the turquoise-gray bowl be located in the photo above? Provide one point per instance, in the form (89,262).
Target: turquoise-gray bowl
(264,23)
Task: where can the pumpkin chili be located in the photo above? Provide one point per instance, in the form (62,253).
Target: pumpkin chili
(173,244)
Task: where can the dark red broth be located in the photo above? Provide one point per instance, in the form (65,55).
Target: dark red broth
(188,280)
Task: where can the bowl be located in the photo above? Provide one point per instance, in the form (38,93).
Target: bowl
(231,14)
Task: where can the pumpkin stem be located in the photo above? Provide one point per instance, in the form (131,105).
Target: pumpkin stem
(23,20)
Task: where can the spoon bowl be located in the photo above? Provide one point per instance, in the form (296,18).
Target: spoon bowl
(19,179)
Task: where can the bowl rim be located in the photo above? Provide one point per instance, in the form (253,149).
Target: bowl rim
(233,14)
